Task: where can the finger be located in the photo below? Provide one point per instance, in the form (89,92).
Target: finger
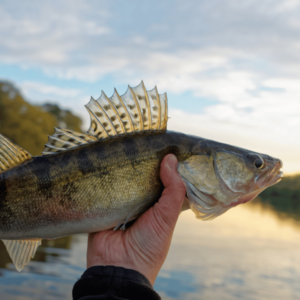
(169,205)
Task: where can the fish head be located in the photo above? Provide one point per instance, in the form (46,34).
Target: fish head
(223,177)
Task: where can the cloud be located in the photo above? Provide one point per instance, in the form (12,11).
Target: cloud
(72,39)
(29,87)
(244,56)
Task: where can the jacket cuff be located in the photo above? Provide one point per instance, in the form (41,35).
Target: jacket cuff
(114,281)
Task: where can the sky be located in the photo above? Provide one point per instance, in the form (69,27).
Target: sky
(231,69)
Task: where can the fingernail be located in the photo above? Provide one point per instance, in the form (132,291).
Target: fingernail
(172,162)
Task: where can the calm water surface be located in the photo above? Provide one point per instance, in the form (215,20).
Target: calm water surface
(248,253)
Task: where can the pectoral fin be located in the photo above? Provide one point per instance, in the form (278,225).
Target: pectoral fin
(21,251)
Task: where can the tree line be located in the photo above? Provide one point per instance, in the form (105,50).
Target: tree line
(29,125)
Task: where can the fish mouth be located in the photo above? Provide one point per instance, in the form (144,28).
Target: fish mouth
(272,177)
(275,179)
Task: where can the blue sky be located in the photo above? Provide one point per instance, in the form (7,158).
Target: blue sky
(230,68)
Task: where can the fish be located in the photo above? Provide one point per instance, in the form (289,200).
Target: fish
(109,176)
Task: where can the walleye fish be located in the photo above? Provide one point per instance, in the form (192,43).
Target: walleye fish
(110,175)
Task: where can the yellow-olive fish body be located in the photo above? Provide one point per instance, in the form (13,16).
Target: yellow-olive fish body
(110,176)
(90,188)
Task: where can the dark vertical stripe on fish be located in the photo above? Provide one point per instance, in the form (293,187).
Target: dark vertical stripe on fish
(131,150)
(85,164)
(3,193)
(43,179)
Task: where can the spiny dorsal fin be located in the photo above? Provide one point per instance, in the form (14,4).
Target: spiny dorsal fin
(21,251)
(65,139)
(137,110)
(11,155)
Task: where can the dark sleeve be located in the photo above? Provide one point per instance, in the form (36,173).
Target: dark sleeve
(109,282)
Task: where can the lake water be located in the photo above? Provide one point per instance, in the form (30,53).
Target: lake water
(247,253)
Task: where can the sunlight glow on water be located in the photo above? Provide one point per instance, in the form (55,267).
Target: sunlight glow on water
(247,253)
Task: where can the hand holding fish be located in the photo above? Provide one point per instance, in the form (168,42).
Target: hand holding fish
(143,246)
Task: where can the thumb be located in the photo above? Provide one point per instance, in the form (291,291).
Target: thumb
(169,205)
(168,173)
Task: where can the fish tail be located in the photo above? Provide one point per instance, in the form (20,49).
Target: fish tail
(11,155)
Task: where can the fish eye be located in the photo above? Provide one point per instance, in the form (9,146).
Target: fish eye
(257,161)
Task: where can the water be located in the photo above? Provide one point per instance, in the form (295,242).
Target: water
(248,253)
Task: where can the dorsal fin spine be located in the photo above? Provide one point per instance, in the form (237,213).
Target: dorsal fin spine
(53,147)
(6,154)
(11,155)
(126,110)
(7,160)
(13,150)
(58,140)
(93,116)
(166,110)
(148,105)
(63,140)
(57,130)
(107,117)
(115,111)
(156,101)
(159,109)
(141,125)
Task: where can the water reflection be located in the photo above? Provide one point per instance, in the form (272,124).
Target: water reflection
(248,253)
(251,252)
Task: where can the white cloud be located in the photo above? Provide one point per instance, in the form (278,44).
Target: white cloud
(101,37)
(244,55)
(29,87)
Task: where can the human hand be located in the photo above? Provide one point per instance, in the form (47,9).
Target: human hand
(144,246)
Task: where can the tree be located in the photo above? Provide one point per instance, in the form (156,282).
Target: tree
(27,125)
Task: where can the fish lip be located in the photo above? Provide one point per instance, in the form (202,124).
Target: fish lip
(275,179)
(277,174)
